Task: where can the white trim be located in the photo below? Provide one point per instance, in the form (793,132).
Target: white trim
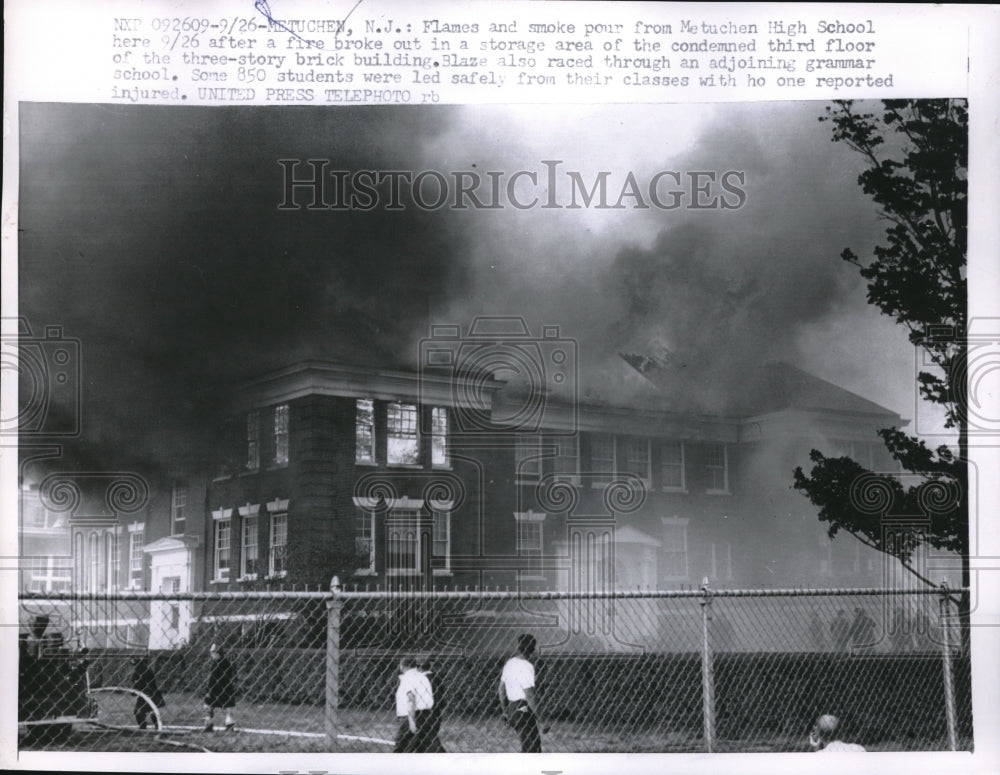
(136,527)
(249,510)
(530,516)
(410,504)
(222,514)
(278,504)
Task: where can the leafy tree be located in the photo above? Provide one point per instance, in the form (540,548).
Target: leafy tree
(915,154)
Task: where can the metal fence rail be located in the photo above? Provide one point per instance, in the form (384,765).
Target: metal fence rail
(691,670)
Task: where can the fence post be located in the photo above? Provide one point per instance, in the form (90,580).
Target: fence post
(332,700)
(949,686)
(707,675)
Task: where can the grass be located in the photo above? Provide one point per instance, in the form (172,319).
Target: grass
(182,719)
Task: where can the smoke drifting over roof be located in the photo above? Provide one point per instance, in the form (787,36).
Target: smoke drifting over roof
(153,235)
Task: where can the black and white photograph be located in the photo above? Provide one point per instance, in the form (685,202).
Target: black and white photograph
(599,428)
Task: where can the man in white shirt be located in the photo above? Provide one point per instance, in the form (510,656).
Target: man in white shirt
(517,695)
(824,736)
(414,701)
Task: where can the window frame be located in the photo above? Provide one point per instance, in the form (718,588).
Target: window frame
(252,462)
(402,434)
(439,436)
(446,515)
(249,539)
(365,518)
(179,492)
(530,518)
(711,467)
(136,540)
(564,476)
(681,465)
(282,420)
(602,478)
(222,520)
(274,515)
(645,478)
(682,523)
(370,426)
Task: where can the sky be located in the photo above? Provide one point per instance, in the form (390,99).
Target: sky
(153,235)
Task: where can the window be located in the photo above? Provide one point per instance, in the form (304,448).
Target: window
(528,456)
(94,580)
(672,465)
(253,441)
(177,506)
(402,446)
(364,541)
(636,457)
(136,539)
(49,574)
(281,435)
(602,458)
(441,541)
(365,431)
(675,564)
(278,544)
(529,543)
(111,553)
(722,560)
(439,436)
(249,555)
(567,462)
(717,469)
(223,545)
(404,542)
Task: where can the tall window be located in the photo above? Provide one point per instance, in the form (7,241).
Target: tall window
(253,441)
(635,454)
(528,456)
(249,554)
(223,548)
(716,468)
(602,458)
(402,446)
(402,527)
(439,436)
(278,544)
(94,580)
(441,541)
(529,543)
(281,435)
(136,540)
(675,561)
(567,461)
(722,560)
(672,465)
(177,508)
(364,541)
(111,553)
(365,431)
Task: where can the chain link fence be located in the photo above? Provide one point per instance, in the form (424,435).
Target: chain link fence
(653,671)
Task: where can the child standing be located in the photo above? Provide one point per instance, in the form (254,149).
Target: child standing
(221,692)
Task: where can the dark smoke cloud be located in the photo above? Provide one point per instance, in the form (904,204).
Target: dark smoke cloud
(153,235)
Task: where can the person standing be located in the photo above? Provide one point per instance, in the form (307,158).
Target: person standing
(517,695)
(414,704)
(144,680)
(433,737)
(221,691)
(824,737)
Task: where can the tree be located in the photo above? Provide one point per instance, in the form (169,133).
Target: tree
(915,154)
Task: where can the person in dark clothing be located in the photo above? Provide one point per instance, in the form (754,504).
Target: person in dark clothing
(144,680)
(432,743)
(221,691)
